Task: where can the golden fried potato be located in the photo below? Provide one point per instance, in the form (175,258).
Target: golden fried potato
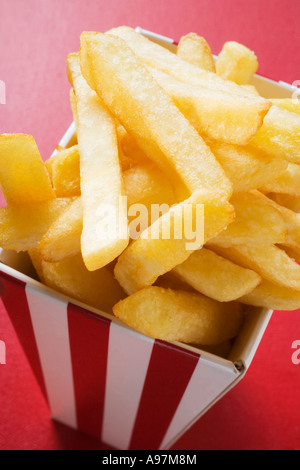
(288,182)
(280,134)
(214,114)
(141,106)
(287,103)
(195,50)
(257,222)
(159,249)
(22,226)
(62,239)
(269,261)
(23,176)
(159,57)
(286,200)
(236,62)
(180,316)
(216,277)
(64,171)
(105,227)
(70,276)
(143,185)
(273,296)
(247,168)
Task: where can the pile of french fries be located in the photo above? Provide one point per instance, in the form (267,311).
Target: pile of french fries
(168,131)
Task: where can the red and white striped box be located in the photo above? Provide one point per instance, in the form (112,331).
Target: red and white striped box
(107,380)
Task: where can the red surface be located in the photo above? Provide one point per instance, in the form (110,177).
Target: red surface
(262,411)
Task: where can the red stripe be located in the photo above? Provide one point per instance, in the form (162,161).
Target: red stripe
(14,298)
(89,335)
(168,375)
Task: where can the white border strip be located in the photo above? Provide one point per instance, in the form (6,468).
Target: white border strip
(127,365)
(50,324)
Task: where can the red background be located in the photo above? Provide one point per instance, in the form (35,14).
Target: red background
(262,411)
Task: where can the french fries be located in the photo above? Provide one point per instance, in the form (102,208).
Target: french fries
(247,168)
(158,57)
(195,50)
(286,200)
(105,230)
(280,134)
(70,276)
(287,103)
(143,186)
(214,114)
(288,182)
(64,172)
(176,203)
(23,175)
(159,249)
(216,277)
(257,222)
(180,316)
(236,62)
(22,226)
(63,237)
(130,93)
(273,296)
(269,261)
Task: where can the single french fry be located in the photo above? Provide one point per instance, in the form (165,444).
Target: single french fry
(105,230)
(257,222)
(280,134)
(273,296)
(173,315)
(290,104)
(269,261)
(70,276)
(131,153)
(62,239)
(247,168)
(252,89)
(159,249)
(236,62)
(142,106)
(287,200)
(64,170)
(22,226)
(195,50)
(23,175)
(216,277)
(215,114)
(292,220)
(288,182)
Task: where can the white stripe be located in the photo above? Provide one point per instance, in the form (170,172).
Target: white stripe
(207,382)
(128,358)
(50,324)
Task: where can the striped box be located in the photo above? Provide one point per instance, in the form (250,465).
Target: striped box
(105,379)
